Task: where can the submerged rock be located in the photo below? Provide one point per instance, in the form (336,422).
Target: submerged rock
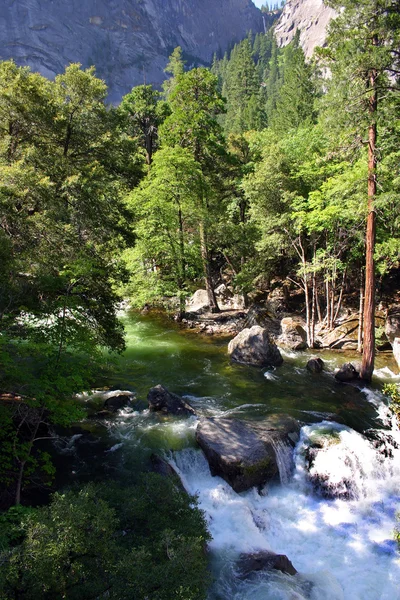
(263,561)
(161,400)
(293,334)
(118,400)
(315,365)
(254,346)
(248,454)
(347,372)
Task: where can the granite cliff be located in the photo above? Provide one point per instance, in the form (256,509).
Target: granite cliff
(311,17)
(129,41)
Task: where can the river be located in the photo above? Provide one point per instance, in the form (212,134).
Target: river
(343,549)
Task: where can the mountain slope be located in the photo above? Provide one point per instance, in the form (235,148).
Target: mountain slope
(128,40)
(311,17)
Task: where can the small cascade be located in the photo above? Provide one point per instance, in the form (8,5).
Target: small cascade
(284,459)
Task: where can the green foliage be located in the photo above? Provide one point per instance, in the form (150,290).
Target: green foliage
(104,538)
(393,392)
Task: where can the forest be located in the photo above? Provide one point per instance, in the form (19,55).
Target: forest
(265,169)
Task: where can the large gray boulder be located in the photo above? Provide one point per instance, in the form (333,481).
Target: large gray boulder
(161,400)
(254,346)
(293,334)
(396,350)
(247,454)
(392,323)
(263,561)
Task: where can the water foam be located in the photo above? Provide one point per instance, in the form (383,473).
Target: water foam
(343,549)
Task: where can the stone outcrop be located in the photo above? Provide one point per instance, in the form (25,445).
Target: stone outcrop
(293,334)
(396,350)
(161,400)
(255,347)
(245,454)
(128,41)
(311,17)
(263,561)
(392,323)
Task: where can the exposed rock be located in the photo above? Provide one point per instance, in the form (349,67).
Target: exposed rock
(245,453)
(259,315)
(315,365)
(311,17)
(161,400)
(383,441)
(227,299)
(127,41)
(263,561)
(347,372)
(293,334)
(254,346)
(163,468)
(344,336)
(198,303)
(392,324)
(396,350)
(117,400)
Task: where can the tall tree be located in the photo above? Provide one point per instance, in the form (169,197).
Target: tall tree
(144,111)
(195,103)
(363,55)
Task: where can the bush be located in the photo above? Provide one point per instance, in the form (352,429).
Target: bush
(143,541)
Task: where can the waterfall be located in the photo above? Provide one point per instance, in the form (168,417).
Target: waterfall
(284,459)
(343,548)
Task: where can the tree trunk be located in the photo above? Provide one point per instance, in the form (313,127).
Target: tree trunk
(207,271)
(367,366)
(361,315)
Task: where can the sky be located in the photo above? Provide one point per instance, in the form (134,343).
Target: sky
(258,3)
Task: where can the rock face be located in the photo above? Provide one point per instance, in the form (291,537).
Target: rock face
(247,454)
(161,400)
(128,41)
(293,334)
(254,346)
(311,17)
(392,324)
(396,350)
(263,561)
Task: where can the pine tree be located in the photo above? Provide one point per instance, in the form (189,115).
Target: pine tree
(363,55)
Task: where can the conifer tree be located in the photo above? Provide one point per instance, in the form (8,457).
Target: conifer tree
(364,58)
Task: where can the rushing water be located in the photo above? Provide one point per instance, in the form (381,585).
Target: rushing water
(343,548)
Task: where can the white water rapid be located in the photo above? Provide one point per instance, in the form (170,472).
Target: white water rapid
(343,547)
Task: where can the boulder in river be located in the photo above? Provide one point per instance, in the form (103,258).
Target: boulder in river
(248,454)
(263,561)
(315,365)
(293,334)
(392,324)
(396,350)
(347,372)
(255,347)
(117,400)
(161,400)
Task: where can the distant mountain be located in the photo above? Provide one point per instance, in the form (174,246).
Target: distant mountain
(311,17)
(127,40)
